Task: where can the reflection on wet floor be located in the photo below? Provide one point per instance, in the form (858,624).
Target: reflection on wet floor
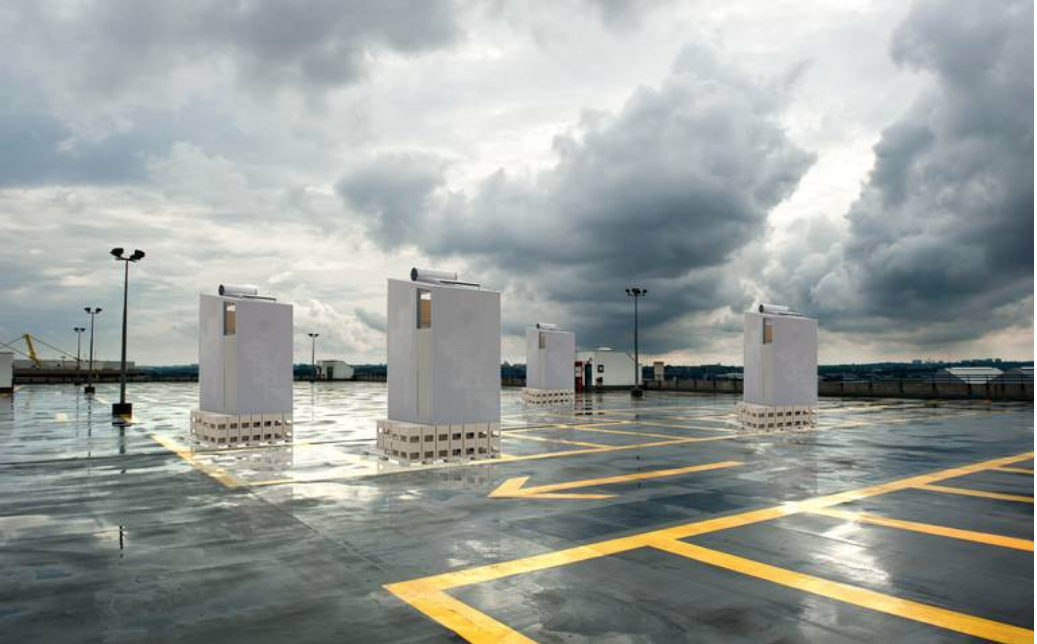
(137,534)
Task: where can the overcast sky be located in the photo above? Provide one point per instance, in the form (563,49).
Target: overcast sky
(867,163)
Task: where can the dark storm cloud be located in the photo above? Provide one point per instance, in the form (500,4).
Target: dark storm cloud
(394,191)
(115,43)
(661,194)
(943,230)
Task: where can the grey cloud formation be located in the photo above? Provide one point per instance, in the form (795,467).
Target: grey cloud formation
(662,194)
(113,44)
(943,229)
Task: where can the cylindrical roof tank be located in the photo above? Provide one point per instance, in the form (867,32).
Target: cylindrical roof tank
(774,309)
(432,276)
(227,290)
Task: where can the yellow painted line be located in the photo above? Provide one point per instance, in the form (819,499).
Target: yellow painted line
(218,474)
(477,627)
(1013,470)
(627,432)
(562,441)
(978,493)
(514,487)
(467,621)
(564,426)
(942,531)
(880,602)
(653,423)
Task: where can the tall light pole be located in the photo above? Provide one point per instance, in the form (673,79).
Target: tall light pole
(637,294)
(123,408)
(89,389)
(313,356)
(79,343)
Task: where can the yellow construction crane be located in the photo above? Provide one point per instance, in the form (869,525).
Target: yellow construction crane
(30,345)
(32,350)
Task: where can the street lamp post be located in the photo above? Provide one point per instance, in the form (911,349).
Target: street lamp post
(89,389)
(79,343)
(637,294)
(313,356)
(122,408)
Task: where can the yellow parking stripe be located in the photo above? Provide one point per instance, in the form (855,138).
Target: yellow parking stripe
(1013,470)
(980,493)
(942,531)
(919,612)
(477,627)
(544,439)
(216,473)
(427,594)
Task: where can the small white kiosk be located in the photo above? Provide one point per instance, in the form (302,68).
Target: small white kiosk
(780,379)
(6,372)
(444,370)
(550,353)
(244,368)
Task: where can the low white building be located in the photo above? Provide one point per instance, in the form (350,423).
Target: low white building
(245,351)
(6,372)
(335,370)
(444,365)
(780,372)
(604,367)
(550,354)
(969,375)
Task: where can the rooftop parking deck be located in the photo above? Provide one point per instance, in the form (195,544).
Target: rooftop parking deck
(654,520)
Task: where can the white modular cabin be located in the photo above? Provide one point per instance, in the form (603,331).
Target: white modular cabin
(6,371)
(550,353)
(780,368)
(245,352)
(444,355)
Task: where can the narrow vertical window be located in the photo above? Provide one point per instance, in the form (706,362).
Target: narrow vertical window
(230,318)
(768,331)
(424,308)
(543,340)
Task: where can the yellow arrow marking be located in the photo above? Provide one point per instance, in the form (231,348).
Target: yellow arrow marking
(515,487)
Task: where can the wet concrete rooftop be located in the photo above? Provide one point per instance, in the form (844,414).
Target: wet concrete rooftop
(648,521)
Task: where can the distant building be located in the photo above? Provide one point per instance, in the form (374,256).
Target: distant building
(605,367)
(659,371)
(335,370)
(1016,376)
(99,365)
(969,375)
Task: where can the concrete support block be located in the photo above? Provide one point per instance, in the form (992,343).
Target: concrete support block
(414,443)
(246,429)
(776,417)
(548,397)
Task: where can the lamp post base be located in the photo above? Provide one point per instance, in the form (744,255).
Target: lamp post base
(88,390)
(122,409)
(637,392)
